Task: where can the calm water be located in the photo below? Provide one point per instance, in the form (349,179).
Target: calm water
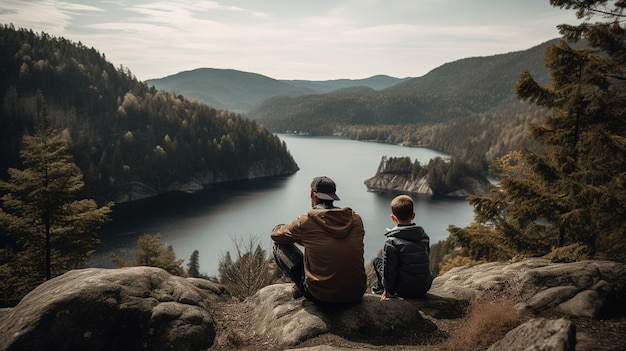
(210,220)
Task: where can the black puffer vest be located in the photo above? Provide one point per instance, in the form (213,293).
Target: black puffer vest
(406,254)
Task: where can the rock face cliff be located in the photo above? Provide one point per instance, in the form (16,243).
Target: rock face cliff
(143,308)
(139,190)
(404,183)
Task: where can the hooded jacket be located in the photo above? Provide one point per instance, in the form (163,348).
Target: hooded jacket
(406,261)
(333,252)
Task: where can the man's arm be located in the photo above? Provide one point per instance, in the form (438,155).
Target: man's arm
(288,233)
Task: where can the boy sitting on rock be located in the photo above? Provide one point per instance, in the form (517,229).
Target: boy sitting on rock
(404,269)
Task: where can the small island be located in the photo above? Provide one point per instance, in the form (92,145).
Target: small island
(441,177)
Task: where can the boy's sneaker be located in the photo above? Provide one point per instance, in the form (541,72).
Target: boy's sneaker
(377,289)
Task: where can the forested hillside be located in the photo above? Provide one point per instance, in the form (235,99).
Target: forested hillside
(467,107)
(128,139)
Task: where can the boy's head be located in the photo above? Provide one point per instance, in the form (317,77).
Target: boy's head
(402,209)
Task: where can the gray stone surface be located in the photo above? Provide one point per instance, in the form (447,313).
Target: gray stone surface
(291,321)
(539,334)
(582,289)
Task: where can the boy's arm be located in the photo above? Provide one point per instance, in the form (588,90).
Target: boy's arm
(390,267)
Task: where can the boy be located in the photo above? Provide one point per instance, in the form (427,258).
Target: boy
(404,269)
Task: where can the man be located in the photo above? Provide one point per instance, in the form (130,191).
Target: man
(332,270)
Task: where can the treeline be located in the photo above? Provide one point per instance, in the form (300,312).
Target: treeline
(476,140)
(443,175)
(124,135)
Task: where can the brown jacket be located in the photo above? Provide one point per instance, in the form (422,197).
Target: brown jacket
(333,252)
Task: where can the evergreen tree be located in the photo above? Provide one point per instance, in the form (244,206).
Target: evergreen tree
(193,267)
(249,272)
(51,230)
(571,191)
(153,253)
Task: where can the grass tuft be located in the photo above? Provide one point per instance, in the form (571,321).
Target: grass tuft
(487,321)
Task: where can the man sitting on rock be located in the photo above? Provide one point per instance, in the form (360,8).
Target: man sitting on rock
(331,270)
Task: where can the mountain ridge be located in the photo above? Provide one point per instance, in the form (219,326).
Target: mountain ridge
(239,91)
(458,89)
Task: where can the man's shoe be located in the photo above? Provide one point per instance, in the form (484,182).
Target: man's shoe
(377,289)
(296,293)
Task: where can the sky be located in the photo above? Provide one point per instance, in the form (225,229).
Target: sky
(291,39)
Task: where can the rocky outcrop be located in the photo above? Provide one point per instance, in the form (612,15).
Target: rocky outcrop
(582,289)
(144,308)
(539,334)
(592,289)
(398,182)
(393,182)
(138,308)
(291,322)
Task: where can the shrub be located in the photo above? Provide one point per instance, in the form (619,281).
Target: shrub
(487,321)
(570,253)
(250,271)
(457,261)
(153,253)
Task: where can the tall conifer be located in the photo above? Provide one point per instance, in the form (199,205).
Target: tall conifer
(571,191)
(52,230)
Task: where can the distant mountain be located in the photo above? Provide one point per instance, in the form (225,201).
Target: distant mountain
(378,82)
(477,84)
(459,89)
(239,91)
(225,89)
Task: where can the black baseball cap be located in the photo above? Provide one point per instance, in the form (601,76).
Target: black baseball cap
(324,188)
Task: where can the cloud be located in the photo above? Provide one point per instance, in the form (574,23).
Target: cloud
(325,39)
(49,16)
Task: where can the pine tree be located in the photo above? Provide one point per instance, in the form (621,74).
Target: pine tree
(52,230)
(193,267)
(571,191)
(153,253)
(249,272)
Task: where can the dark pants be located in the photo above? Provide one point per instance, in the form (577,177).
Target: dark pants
(291,261)
(377,262)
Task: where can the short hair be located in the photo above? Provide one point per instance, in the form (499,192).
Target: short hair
(402,207)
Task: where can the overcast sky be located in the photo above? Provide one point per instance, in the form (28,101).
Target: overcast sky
(292,39)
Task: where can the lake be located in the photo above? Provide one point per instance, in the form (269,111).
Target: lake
(210,220)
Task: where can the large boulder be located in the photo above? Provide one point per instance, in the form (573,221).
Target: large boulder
(583,289)
(291,322)
(113,309)
(539,334)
